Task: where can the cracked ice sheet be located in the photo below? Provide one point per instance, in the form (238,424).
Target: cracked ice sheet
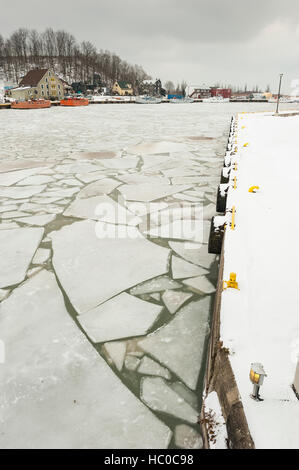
(180,344)
(101,208)
(92,269)
(52,366)
(150,192)
(158,147)
(122,316)
(17,247)
(99,188)
(12,177)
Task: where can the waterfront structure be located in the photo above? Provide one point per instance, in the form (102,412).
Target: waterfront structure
(122,88)
(37,84)
(224,92)
(201,92)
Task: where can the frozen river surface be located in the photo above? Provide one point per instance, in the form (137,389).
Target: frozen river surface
(106,285)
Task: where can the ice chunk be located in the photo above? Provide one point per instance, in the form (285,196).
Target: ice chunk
(80,167)
(17,247)
(184,392)
(160,397)
(148,192)
(194,252)
(12,177)
(116,351)
(20,192)
(187,438)
(180,344)
(182,269)
(8,226)
(13,215)
(120,317)
(101,208)
(158,147)
(104,186)
(3,294)
(92,270)
(150,367)
(141,208)
(200,284)
(10,207)
(43,219)
(188,229)
(174,299)
(131,362)
(36,179)
(153,285)
(52,366)
(41,256)
(120,163)
(89,177)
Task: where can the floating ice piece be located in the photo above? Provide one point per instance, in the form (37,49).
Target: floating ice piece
(10,207)
(8,226)
(149,192)
(182,269)
(120,163)
(17,247)
(84,262)
(12,177)
(40,220)
(189,396)
(41,256)
(142,208)
(190,180)
(99,188)
(131,362)
(194,252)
(176,212)
(180,172)
(57,194)
(53,366)
(36,179)
(13,214)
(160,397)
(158,147)
(200,284)
(32,207)
(180,344)
(101,208)
(156,296)
(117,352)
(89,177)
(138,178)
(155,285)
(120,317)
(150,367)
(71,182)
(19,192)
(174,299)
(187,197)
(80,167)
(186,437)
(188,229)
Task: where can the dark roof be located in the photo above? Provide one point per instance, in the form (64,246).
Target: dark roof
(33,77)
(123,84)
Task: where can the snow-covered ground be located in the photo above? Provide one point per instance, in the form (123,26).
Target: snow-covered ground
(259,322)
(105,280)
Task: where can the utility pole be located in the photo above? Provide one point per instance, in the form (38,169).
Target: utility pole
(279,88)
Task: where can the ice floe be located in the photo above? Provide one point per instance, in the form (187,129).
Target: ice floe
(20,192)
(200,284)
(181,269)
(194,252)
(91,270)
(155,285)
(156,393)
(186,437)
(179,345)
(149,192)
(116,351)
(41,256)
(149,367)
(99,188)
(40,220)
(174,299)
(17,248)
(120,317)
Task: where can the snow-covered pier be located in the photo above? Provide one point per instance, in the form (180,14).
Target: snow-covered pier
(257,303)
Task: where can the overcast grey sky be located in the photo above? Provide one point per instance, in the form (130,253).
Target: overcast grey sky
(200,41)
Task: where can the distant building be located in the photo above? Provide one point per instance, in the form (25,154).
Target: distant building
(122,88)
(224,92)
(39,83)
(200,92)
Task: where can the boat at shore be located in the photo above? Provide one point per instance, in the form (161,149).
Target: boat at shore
(148,100)
(74,102)
(215,99)
(31,104)
(181,100)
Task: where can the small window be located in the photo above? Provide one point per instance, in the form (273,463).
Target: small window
(42,86)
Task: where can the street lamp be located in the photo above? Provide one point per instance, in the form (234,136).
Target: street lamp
(279,88)
(256,376)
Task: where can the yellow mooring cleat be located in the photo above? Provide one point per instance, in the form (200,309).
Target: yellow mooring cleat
(253,189)
(232,283)
(246,145)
